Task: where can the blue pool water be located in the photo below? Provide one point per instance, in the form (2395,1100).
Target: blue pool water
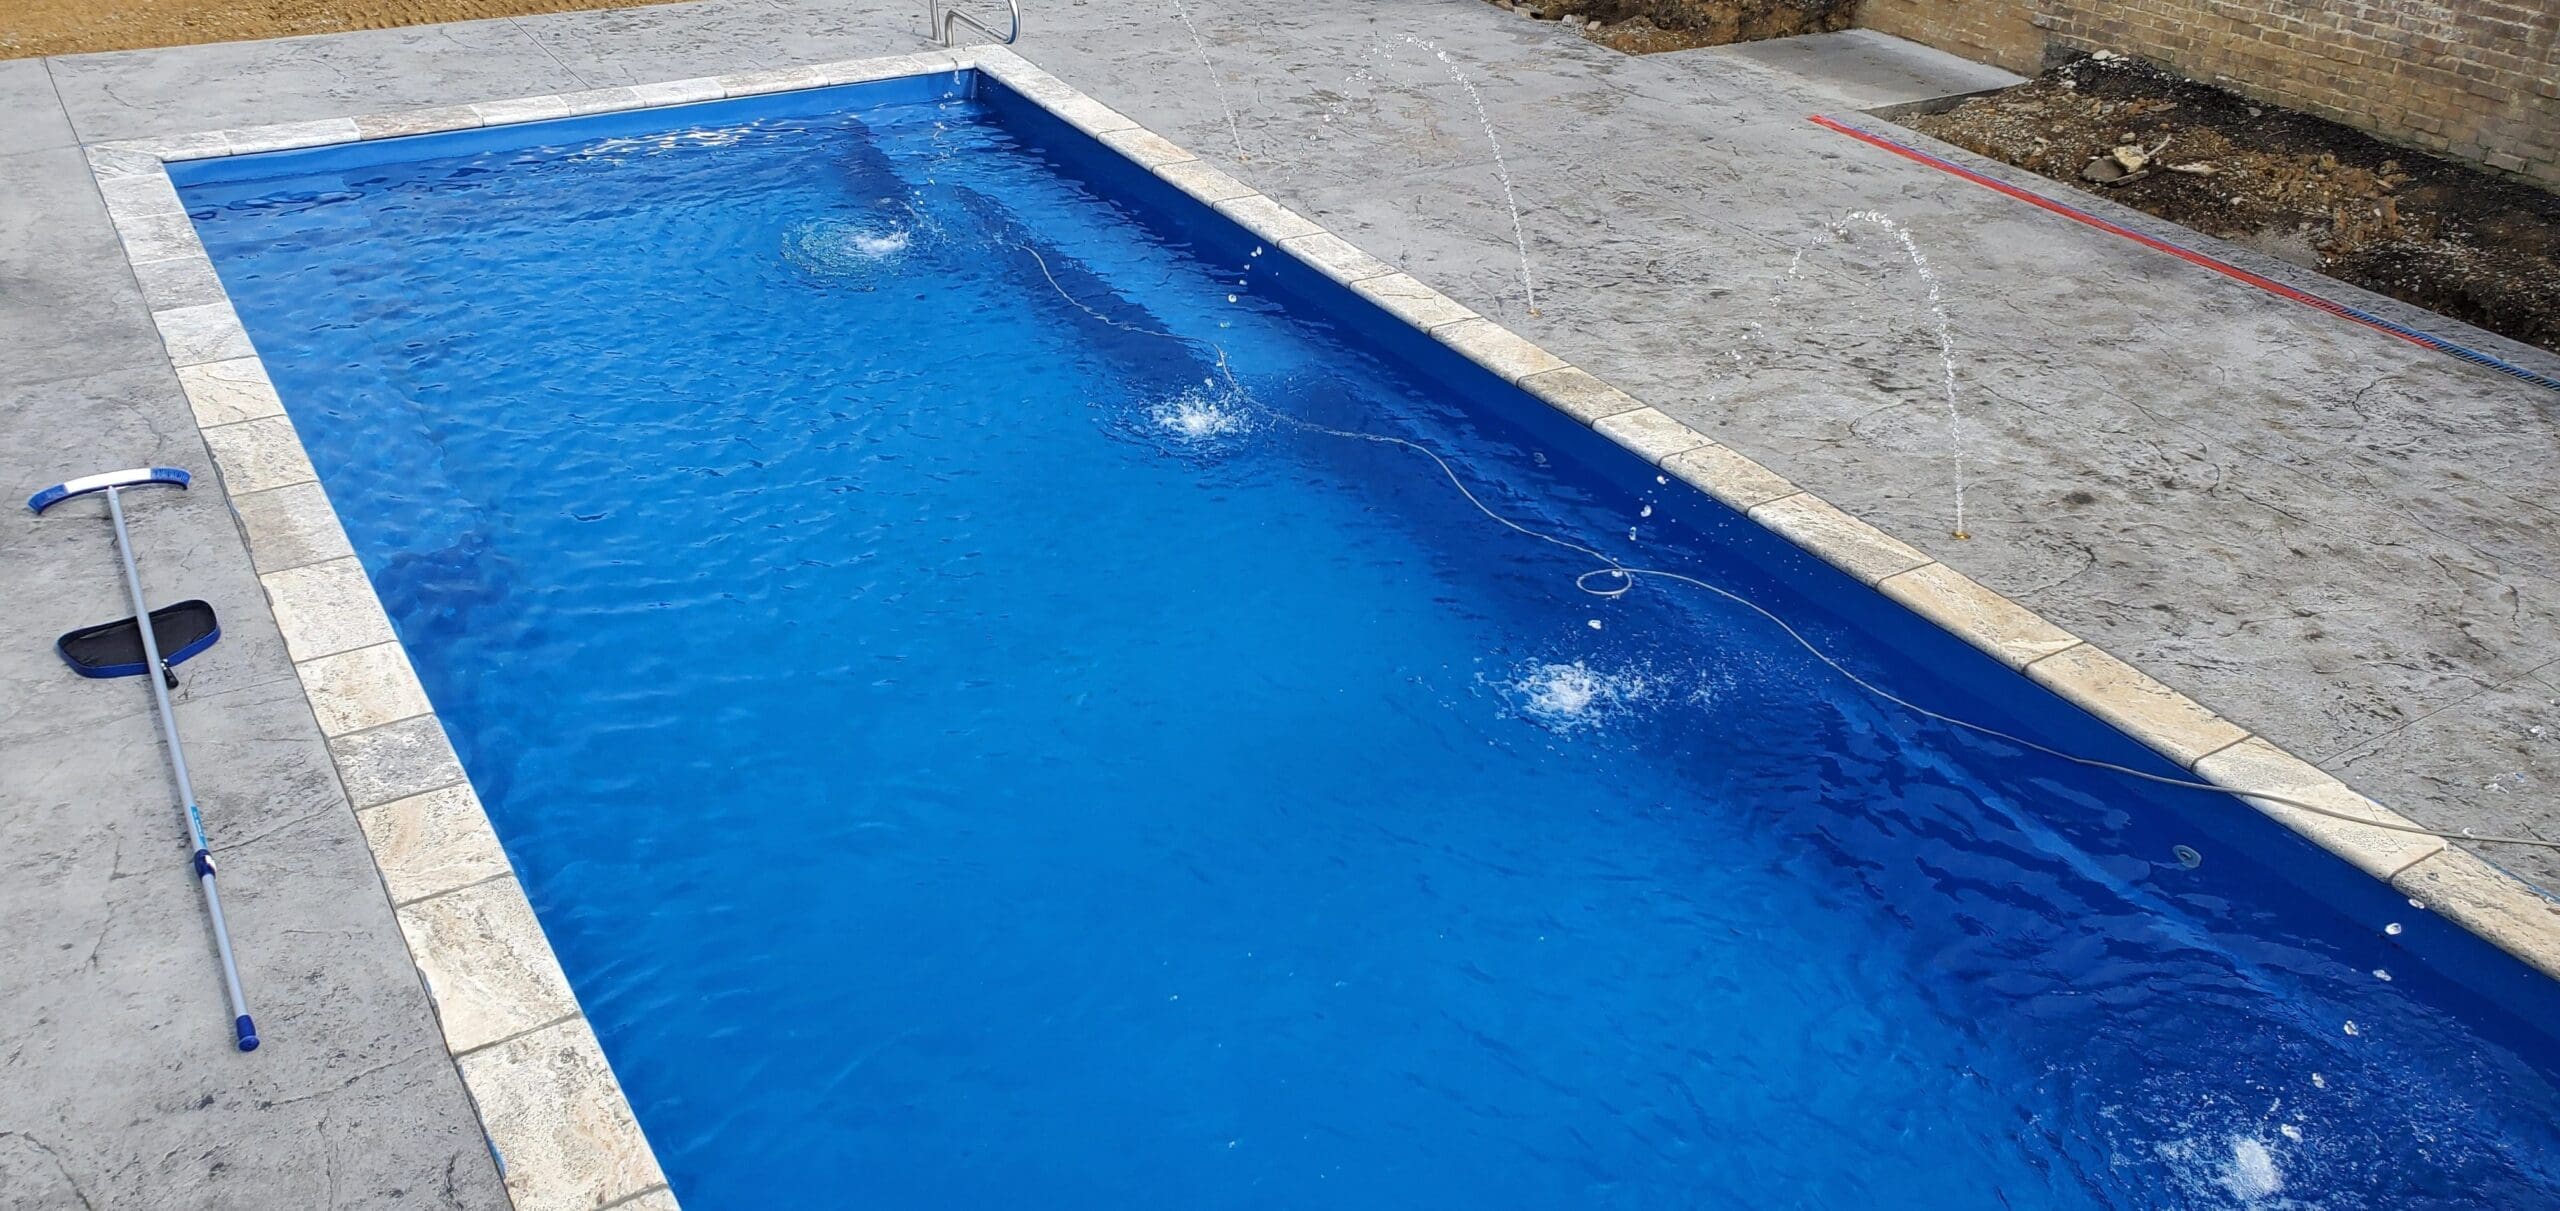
(966,752)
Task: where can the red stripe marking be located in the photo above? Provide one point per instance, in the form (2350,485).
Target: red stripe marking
(2224,268)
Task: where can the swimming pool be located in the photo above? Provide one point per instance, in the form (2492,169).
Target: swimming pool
(983,718)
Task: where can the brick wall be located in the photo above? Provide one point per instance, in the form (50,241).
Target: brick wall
(2476,80)
(1998,32)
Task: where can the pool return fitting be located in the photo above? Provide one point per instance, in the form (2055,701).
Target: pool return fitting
(151,644)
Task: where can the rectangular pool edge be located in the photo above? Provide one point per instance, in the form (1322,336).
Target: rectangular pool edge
(526,1055)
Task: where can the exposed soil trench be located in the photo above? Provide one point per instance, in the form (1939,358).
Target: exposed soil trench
(70,27)
(2451,239)
(1642,27)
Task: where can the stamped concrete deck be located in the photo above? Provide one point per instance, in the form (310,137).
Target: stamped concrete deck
(2326,535)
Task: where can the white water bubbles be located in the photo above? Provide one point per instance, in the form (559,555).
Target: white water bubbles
(2235,1170)
(1198,417)
(837,248)
(1204,422)
(1570,698)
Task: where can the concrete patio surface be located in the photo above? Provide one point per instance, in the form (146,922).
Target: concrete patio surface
(2339,540)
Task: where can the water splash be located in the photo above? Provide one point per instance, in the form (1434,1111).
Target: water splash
(1201,44)
(836,247)
(1197,417)
(2244,1169)
(2251,1173)
(1935,301)
(1568,698)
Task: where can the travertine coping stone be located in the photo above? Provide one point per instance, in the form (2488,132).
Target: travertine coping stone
(183,281)
(2256,765)
(290,526)
(203,145)
(1497,348)
(1203,181)
(1729,477)
(208,332)
(1409,300)
(1843,541)
(1336,258)
(2175,725)
(1088,115)
(1022,74)
(224,393)
(140,195)
(601,100)
(286,136)
(1977,615)
(861,71)
(1578,395)
(116,161)
(559,1118)
(486,963)
(521,109)
(363,688)
(433,843)
(1268,219)
(1146,148)
(259,454)
(677,92)
(1650,434)
(988,56)
(161,236)
(416,122)
(772,80)
(395,761)
(1080,111)
(326,608)
(2488,902)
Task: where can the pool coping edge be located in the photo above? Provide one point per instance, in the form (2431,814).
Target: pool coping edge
(529,1061)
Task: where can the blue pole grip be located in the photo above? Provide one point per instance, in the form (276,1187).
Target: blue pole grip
(248,1033)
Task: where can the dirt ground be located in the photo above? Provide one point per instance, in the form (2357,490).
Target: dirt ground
(2451,239)
(69,27)
(1643,27)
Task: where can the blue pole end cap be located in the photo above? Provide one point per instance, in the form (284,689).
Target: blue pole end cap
(248,1033)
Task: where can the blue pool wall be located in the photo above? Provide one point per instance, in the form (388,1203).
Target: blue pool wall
(2437,962)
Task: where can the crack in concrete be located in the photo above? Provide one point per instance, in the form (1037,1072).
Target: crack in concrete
(350,1082)
(517,24)
(59,1165)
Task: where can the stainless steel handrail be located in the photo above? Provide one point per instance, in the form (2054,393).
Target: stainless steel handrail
(938,21)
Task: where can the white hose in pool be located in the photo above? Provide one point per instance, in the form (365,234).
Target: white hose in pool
(1615,579)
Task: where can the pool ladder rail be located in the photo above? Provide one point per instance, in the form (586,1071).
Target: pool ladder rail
(939,18)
